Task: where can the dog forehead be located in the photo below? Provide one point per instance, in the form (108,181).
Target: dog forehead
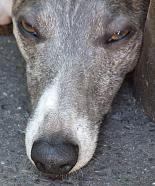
(73,2)
(56,4)
(84,10)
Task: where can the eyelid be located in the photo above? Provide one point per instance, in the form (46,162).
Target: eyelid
(120,34)
(101,41)
(35,35)
(131,30)
(26,24)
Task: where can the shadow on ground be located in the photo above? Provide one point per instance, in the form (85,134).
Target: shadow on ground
(126,151)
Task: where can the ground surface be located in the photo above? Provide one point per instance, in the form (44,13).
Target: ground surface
(125,155)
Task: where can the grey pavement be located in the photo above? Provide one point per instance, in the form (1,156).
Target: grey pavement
(125,155)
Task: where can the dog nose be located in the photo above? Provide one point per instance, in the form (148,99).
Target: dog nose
(54,159)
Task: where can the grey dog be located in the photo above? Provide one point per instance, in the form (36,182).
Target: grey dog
(77,54)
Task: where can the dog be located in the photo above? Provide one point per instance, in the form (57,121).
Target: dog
(77,54)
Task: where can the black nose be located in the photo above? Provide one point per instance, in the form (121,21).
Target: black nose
(54,159)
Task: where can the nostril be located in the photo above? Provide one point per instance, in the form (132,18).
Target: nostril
(40,166)
(65,167)
(57,158)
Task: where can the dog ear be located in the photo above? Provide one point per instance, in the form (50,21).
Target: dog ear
(5,11)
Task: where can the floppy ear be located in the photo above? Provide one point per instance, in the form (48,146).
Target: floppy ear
(5,11)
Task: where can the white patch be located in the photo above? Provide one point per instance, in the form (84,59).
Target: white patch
(87,141)
(47,102)
(5,11)
(80,127)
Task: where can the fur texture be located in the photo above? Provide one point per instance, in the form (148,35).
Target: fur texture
(72,73)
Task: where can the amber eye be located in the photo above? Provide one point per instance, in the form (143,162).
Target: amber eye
(28,28)
(117,36)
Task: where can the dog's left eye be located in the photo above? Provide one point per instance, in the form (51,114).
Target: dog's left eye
(117,36)
(27,28)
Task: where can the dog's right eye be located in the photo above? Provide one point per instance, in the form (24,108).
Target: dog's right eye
(27,28)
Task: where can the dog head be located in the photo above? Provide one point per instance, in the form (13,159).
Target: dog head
(77,54)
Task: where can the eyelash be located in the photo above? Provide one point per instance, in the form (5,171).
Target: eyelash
(34,35)
(27,30)
(104,41)
(122,34)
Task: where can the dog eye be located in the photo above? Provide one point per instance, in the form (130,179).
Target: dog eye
(27,28)
(117,36)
